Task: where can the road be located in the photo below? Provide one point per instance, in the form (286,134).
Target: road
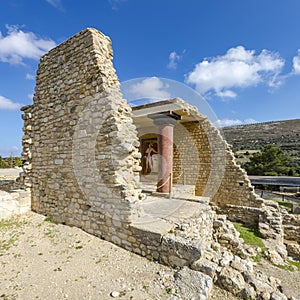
(275,180)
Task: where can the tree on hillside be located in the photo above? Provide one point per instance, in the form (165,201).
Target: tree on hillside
(10,162)
(3,163)
(14,162)
(271,161)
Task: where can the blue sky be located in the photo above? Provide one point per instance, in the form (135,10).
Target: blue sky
(243,57)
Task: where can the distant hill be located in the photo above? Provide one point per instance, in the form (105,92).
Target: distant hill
(284,134)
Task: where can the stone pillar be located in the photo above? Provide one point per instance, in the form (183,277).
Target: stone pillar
(165,124)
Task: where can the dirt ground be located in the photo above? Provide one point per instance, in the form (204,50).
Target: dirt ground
(42,260)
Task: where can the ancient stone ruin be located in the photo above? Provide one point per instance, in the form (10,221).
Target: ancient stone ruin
(84,149)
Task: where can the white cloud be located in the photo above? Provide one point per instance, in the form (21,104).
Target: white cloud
(18,45)
(30,76)
(7,151)
(226,94)
(115,3)
(14,148)
(227,122)
(230,122)
(173,60)
(30,96)
(238,68)
(152,88)
(7,104)
(296,63)
(250,121)
(55,3)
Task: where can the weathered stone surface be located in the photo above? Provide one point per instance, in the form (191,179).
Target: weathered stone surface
(238,264)
(186,250)
(80,137)
(274,257)
(293,250)
(291,225)
(218,176)
(231,280)
(248,293)
(261,283)
(207,267)
(81,153)
(278,296)
(193,284)
(14,203)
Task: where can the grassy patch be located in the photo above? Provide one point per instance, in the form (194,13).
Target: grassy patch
(294,263)
(288,266)
(6,244)
(146,288)
(260,256)
(50,219)
(13,226)
(249,235)
(9,223)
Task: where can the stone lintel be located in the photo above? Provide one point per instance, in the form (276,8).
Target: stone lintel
(165,118)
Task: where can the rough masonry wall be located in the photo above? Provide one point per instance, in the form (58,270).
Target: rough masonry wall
(202,157)
(291,225)
(79,141)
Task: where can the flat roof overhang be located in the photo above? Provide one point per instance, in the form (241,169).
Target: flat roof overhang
(176,106)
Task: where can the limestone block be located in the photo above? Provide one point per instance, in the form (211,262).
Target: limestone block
(293,250)
(193,284)
(231,280)
(207,267)
(182,248)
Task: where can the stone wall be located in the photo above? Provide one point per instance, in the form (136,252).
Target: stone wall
(291,225)
(80,145)
(203,158)
(8,185)
(291,229)
(242,214)
(82,160)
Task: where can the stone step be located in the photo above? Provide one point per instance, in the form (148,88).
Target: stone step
(199,199)
(185,190)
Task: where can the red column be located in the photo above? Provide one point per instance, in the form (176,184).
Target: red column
(165,152)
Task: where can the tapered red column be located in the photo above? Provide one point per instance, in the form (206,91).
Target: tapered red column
(165,161)
(165,126)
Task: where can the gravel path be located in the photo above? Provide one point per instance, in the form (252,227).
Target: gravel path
(42,260)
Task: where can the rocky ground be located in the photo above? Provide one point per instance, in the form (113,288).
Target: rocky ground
(42,260)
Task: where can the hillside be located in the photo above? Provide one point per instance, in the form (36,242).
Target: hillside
(284,134)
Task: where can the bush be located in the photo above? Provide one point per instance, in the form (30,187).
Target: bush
(271,161)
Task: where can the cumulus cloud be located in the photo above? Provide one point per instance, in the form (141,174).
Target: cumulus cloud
(152,88)
(233,122)
(18,45)
(173,60)
(238,68)
(7,104)
(296,63)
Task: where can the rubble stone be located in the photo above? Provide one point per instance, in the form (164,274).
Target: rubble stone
(193,284)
